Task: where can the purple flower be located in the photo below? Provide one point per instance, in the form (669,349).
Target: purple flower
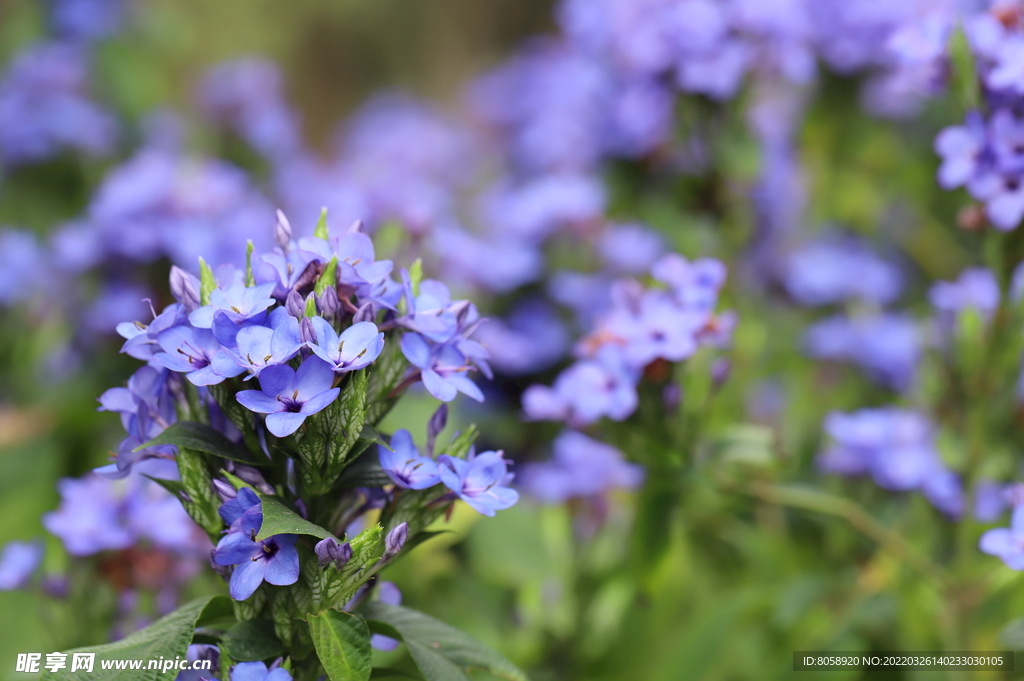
(836,268)
(17,563)
(356,348)
(1007,542)
(258,671)
(481,481)
(444,368)
(896,447)
(191,351)
(404,465)
(273,559)
(630,249)
(531,339)
(580,467)
(586,391)
(288,396)
(239,302)
(975,288)
(887,346)
(260,347)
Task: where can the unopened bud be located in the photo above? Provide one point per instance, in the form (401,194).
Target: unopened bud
(306,280)
(326,551)
(306,332)
(252,476)
(328,304)
(437,423)
(365,313)
(395,540)
(356,226)
(282,231)
(344,555)
(225,491)
(185,288)
(295,305)
(720,370)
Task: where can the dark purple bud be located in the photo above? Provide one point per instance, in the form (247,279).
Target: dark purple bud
(282,231)
(365,313)
(344,555)
(252,476)
(300,506)
(720,370)
(395,540)
(225,491)
(306,332)
(185,496)
(437,423)
(183,286)
(295,305)
(275,664)
(326,551)
(304,284)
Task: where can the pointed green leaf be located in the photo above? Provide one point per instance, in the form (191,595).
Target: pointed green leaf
(321,225)
(342,642)
(279,519)
(352,403)
(461,443)
(202,438)
(168,637)
(441,652)
(206,282)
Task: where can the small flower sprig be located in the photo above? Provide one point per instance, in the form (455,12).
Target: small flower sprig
(264,384)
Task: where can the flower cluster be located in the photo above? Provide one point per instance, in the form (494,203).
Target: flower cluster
(481,480)
(896,448)
(984,153)
(668,322)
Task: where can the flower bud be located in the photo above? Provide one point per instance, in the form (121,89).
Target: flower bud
(185,289)
(326,551)
(295,305)
(225,491)
(344,555)
(306,332)
(328,304)
(282,231)
(365,313)
(250,475)
(395,540)
(437,423)
(355,227)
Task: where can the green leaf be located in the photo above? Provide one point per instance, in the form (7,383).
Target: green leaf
(252,640)
(250,280)
(441,652)
(328,278)
(279,519)
(206,282)
(342,642)
(461,443)
(385,673)
(202,438)
(168,637)
(203,503)
(321,225)
(310,307)
(352,406)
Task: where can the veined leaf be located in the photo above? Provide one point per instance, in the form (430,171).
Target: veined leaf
(342,642)
(279,519)
(202,438)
